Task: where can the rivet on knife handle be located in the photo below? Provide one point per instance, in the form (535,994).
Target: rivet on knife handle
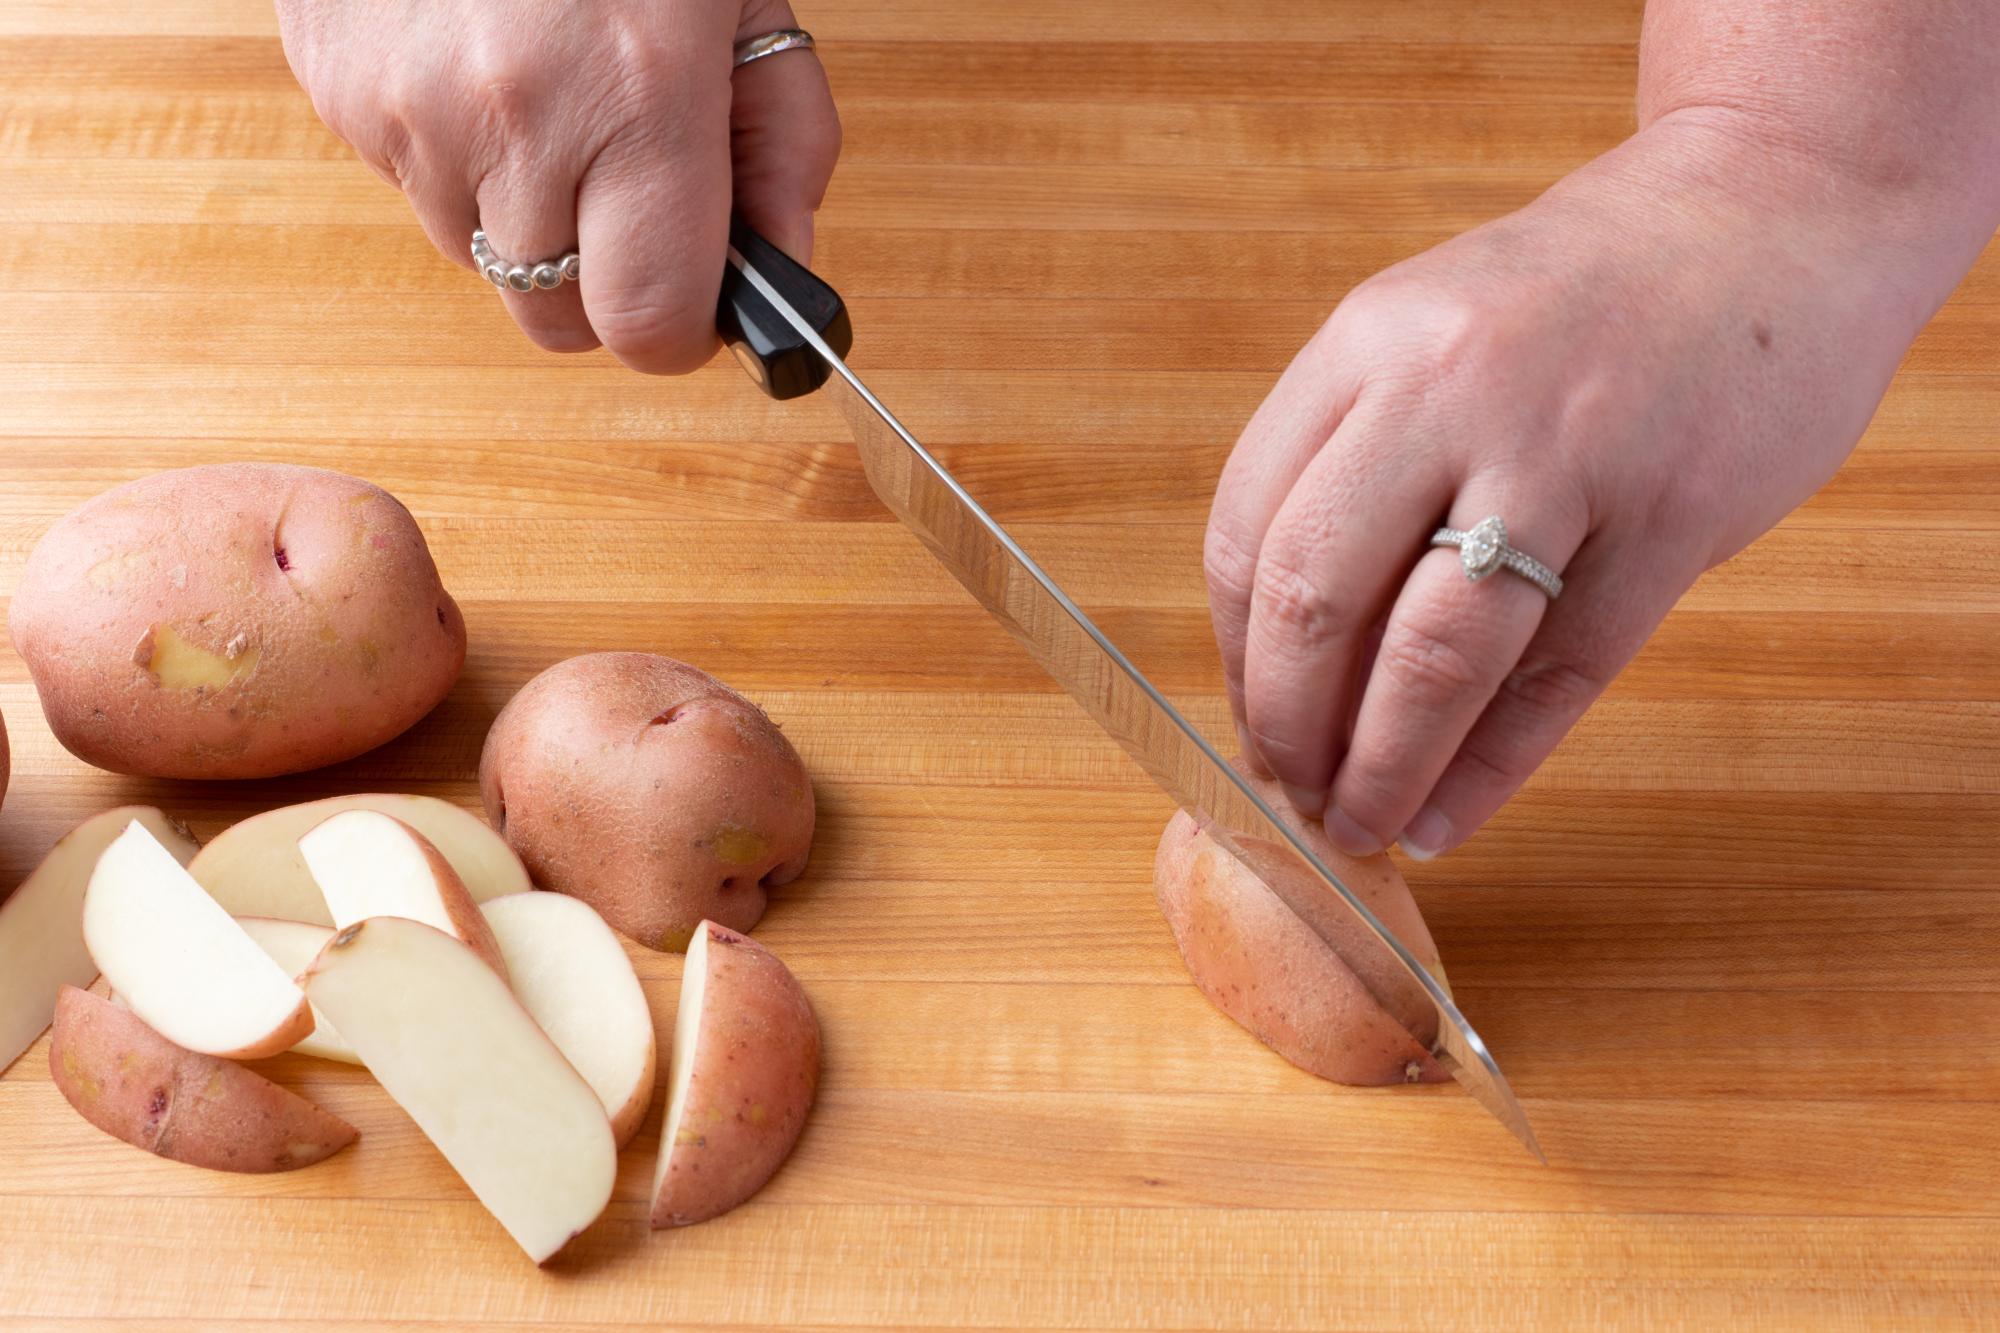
(781,362)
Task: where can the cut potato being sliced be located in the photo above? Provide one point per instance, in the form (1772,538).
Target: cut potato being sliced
(368,864)
(293,945)
(41,924)
(572,974)
(445,1037)
(136,1085)
(744,1070)
(180,962)
(254,868)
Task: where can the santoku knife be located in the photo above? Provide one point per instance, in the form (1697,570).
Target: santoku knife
(790,331)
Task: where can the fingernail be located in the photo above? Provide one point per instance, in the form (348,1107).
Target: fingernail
(1349,836)
(1428,834)
(1307,803)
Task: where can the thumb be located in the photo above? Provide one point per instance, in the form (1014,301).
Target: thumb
(784,137)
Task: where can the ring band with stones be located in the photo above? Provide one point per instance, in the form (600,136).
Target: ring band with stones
(510,276)
(1484,549)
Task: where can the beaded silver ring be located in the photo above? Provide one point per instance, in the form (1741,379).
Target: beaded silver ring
(509,276)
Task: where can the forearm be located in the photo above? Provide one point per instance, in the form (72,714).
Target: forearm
(1889,110)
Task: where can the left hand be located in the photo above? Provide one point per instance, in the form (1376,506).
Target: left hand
(1640,372)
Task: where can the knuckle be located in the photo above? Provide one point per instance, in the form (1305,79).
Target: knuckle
(657,329)
(1228,563)
(1303,611)
(1430,668)
(1555,689)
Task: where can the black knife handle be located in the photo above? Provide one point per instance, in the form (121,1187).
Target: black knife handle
(781,362)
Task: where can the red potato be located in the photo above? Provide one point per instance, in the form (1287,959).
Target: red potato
(650,790)
(744,1071)
(4,760)
(235,621)
(135,1085)
(1262,966)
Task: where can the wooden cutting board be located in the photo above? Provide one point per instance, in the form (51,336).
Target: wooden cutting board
(1738,945)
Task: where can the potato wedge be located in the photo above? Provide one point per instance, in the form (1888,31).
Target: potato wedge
(571,973)
(135,1085)
(180,962)
(254,868)
(744,1071)
(293,945)
(41,923)
(445,1037)
(368,864)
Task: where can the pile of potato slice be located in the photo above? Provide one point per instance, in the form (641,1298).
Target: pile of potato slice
(402,934)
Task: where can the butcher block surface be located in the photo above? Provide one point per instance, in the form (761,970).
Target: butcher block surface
(1737,945)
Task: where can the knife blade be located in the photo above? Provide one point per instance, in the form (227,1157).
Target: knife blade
(790,331)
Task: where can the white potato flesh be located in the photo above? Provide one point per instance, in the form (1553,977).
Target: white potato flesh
(255,869)
(687,1025)
(366,864)
(571,972)
(444,1036)
(293,945)
(179,961)
(41,923)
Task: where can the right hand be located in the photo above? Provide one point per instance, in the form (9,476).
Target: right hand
(615,129)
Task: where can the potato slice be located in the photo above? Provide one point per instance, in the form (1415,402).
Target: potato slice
(134,1084)
(293,945)
(41,925)
(368,864)
(254,868)
(441,1032)
(179,961)
(744,1070)
(572,974)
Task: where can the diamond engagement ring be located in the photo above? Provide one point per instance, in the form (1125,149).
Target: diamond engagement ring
(769,44)
(509,276)
(1485,549)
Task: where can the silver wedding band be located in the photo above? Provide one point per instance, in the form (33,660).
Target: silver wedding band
(770,44)
(1484,549)
(509,276)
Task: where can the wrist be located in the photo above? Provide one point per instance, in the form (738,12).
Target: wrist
(1906,231)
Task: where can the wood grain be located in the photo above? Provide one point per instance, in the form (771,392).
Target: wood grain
(1737,944)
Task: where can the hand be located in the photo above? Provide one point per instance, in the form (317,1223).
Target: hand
(615,129)
(1640,372)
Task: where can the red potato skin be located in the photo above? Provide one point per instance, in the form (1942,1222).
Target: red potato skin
(316,590)
(756,1072)
(650,790)
(135,1085)
(5,761)
(1262,966)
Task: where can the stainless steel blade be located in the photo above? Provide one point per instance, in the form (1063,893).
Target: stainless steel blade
(1010,585)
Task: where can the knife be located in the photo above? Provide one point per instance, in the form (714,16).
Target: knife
(790,331)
